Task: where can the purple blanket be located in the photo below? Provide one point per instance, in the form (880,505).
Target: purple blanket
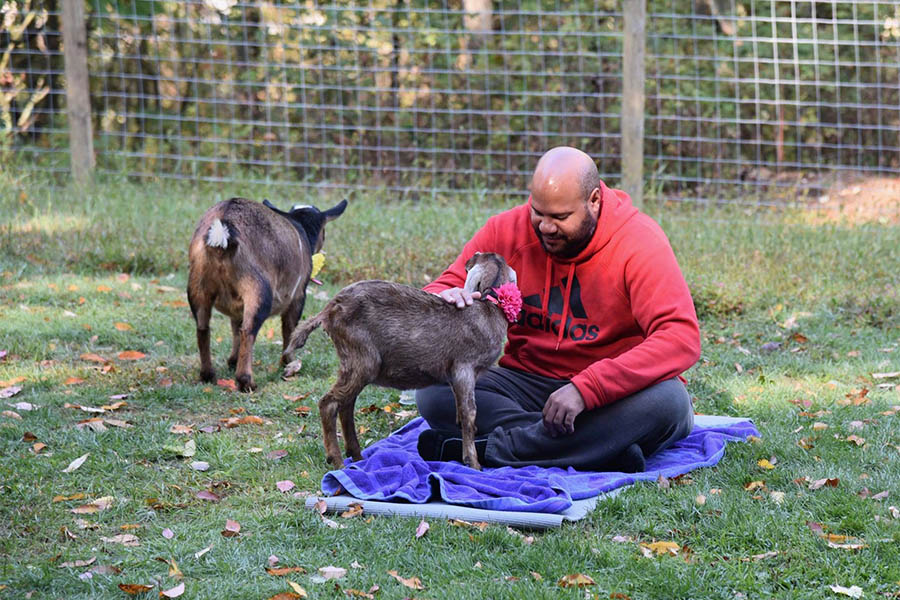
(392,470)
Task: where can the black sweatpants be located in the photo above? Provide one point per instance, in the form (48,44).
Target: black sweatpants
(509,415)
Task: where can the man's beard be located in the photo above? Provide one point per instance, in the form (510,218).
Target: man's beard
(572,245)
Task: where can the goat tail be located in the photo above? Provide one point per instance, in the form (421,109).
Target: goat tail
(302,331)
(220,235)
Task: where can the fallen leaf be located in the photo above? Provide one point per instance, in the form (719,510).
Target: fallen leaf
(818,426)
(282,571)
(285,596)
(777,497)
(118,423)
(853,591)
(79,563)
(354,510)
(77,496)
(11,414)
(126,539)
(351,593)
(855,439)
(73,381)
(232,528)
(575,580)
(123,326)
(285,485)
(298,589)
(830,482)
(330,572)
(174,592)
(247,420)
(76,463)
(292,368)
(200,553)
(894,512)
(412,582)
(207,495)
(422,529)
(94,506)
(881,495)
(659,548)
(762,556)
(134,588)
(37,447)
(200,465)
(9,392)
(320,507)
(764,463)
(228,384)
(277,454)
(855,546)
(128,526)
(131,355)
(168,533)
(753,485)
(95,424)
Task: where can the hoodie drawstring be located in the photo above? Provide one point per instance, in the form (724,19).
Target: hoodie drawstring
(545,304)
(565,310)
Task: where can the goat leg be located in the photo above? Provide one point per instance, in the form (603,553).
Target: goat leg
(462,382)
(202,309)
(328,409)
(235,343)
(257,306)
(288,322)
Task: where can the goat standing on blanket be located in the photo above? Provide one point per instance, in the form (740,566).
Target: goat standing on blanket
(251,261)
(398,336)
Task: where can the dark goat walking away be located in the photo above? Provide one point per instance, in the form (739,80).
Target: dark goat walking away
(398,336)
(250,261)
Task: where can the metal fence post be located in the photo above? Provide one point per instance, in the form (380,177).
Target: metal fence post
(78,101)
(634,36)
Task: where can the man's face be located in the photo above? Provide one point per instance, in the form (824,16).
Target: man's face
(564,221)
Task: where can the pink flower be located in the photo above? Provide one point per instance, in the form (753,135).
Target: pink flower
(510,300)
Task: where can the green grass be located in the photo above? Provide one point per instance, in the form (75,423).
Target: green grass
(756,278)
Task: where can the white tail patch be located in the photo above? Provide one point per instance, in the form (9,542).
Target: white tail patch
(217,236)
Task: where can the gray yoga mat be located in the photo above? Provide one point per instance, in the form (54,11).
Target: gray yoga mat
(523,520)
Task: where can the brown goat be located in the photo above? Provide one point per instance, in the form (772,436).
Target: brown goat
(398,336)
(250,261)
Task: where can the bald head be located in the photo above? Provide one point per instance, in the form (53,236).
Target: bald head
(565,170)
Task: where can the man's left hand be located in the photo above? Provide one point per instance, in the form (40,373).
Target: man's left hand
(561,408)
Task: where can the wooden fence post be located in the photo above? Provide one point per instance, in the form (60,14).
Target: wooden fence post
(633,51)
(78,100)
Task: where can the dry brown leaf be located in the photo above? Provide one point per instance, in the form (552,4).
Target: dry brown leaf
(575,580)
(412,582)
(207,495)
(247,420)
(855,439)
(134,588)
(285,596)
(114,405)
(77,496)
(123,326)
(73,381)
(131,355)
(232,528)
(79,563)
(354,509)
(298,589)
(126,539)
(762,556)
(331,572)
(754,485)
(828,481)
(90,356)
(659,548)
(764,463)
(228,384)
(37,447)
(282,571)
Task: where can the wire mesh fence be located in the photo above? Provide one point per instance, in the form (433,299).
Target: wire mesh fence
(747,101)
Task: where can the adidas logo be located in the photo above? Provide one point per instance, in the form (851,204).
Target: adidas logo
(573,330)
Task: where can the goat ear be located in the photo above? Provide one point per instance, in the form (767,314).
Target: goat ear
(335,211)
(512,275)
(471,261)
(274,208)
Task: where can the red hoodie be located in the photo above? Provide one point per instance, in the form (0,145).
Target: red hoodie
(628,314)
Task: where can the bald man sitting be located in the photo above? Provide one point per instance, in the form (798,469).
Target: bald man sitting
(590,375)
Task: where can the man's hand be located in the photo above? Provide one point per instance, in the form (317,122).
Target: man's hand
(460,297)
(561,408)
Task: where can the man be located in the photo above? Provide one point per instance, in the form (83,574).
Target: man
(589,376)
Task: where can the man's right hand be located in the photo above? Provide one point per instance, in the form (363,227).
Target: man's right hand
(460,297)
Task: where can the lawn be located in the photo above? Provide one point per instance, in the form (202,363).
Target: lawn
(800,332)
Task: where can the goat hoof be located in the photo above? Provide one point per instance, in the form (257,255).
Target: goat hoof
(232,362)
(335,461)
(245,383)
(207,376)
